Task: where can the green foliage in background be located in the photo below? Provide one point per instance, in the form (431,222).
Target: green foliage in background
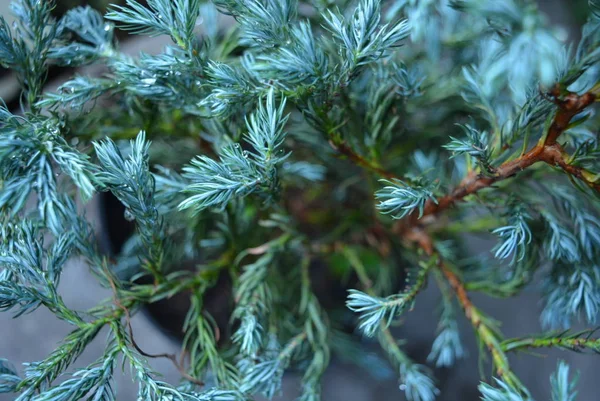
(309,144)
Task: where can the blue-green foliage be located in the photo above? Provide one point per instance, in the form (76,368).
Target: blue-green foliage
(515,237)
(362,38)
(95,380)
(399,199)
(502,392)
(254,298)
(31,273)
(8,377)
(417,383)
(375,311)
(378,313)
(563,389)
(447,347)
(82,37)
(175,18)
(279,150)
(474,145)
(264,24)
(239,173)
(572,293)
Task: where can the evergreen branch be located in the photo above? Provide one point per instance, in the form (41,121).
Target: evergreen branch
(587,152)
(362,39)
(347,84)
(172,357)
(9,379)
(577,341)
(586,225)
(77,92)
(265,376)
(93,381)
(417,382)
(253,298)
(319,117)
(568,107)
(34,33)
(31,273)
(153,390)
(551,154)
(446,347)
(516,236)
(375,311)
(230,87)
(547,151)
(400,199)
(82,37)
(40,373)
(201,336)
(240,173)
(563,389)
(475,145)
(9,49)
(300,64)
(77,167)
(176,18)
(556,156)
(264,24)
(131,182)
(317,328)
(266,131)
(484,331)
(215,184)
(136,295)
(501,392)
(571,291)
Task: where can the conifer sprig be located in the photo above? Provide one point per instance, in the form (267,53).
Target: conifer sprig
(162,17)
(240,173)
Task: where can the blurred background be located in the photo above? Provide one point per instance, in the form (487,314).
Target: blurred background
(34,336)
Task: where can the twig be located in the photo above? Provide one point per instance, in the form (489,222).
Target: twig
(569,107)
(294,343)
(574,342)
(485,333)
(178,363)
(386,338)
(343,148)
(547,151)
(555,155)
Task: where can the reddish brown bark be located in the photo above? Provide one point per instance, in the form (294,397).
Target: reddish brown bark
(357,159)
(549,152)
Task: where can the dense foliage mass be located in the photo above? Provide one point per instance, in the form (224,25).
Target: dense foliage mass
(362,138)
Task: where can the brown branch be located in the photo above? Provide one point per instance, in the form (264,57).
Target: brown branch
(343,148)
(546,151)
(569,107)
(484,332)
(549,151)
(554,155)
(424,241)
